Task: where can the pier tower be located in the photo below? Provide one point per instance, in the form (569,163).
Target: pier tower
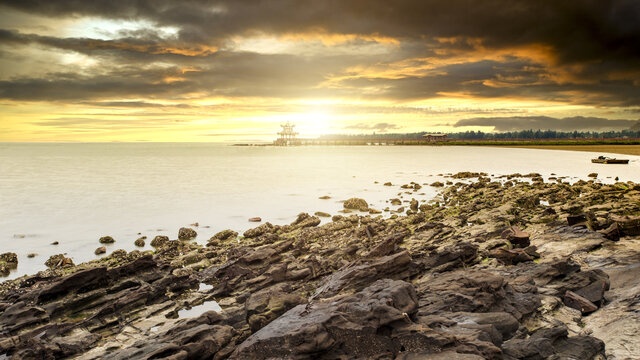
(287,135)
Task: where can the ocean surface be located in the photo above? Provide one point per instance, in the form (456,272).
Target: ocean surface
(76,193)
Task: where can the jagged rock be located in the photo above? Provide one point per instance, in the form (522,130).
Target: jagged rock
(627,224)
(437,184)
(510,257)
(8,261)
(361,273)
(553,343)
(612,232)
(140,242)
(518,238)
(356,204)
(260,230)
(305,220)
(388,245)
(266,305)
(371,322)
(576,219)
(159,241)
(186,233)
(58,261)
(107,240)
(224,235)
(413,205)
(578,302)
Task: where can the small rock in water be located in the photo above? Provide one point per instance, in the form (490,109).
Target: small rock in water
(388,183)
(322,214)
(140,242)
(100,250)
(356,204)
(18,236)
(31,255)
(8,261)
(224,235)
(593,175)
(325,197)
(55,243)
(107,240)
(186,233)
(255,219)
(196,224)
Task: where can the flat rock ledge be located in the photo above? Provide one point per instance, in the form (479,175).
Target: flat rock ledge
(497,268)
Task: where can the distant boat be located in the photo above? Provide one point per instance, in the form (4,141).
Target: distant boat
(608,160)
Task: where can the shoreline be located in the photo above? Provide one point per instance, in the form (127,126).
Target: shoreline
(488,269)
(612,149)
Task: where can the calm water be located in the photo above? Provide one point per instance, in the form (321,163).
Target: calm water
(76,193)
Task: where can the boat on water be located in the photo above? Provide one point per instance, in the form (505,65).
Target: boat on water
(608,160)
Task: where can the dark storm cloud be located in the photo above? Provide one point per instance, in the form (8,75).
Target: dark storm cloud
(578,30)
(592,44)
(516,123)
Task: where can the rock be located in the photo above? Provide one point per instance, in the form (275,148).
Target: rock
(224,235)
(576,219)
(260,230)
(58,261)
(266,305)
(371,322)
(322,214)
(107,240)
(159,241)
(325,197)
(356,204)
(388,184)
(437,184)
(139,242)
(593,175)
(31,255)
(361,273)
(627,224)
(100,250)
(186,233)
(255,219)
(413,205)
(305,220)
(396,201)
(517,238)
(388,245)
(612,232)
(8,262)
(578,302)
(374,211)
(594,292)
(510,257)
(55,243)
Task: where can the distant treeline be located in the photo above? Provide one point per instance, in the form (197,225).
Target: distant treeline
(509,135)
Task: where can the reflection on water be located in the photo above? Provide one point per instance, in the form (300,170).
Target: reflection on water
(199,309)
(76,193)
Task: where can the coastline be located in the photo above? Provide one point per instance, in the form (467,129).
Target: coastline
(612,149)
(489,268)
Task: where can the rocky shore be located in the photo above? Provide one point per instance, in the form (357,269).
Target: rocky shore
(508,267)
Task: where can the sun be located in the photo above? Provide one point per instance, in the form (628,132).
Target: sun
(313,124)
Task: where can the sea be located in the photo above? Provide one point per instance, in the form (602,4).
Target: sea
(75,193)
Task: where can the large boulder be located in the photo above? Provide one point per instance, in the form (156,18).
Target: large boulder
(186,233)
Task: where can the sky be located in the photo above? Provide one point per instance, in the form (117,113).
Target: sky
(225,71)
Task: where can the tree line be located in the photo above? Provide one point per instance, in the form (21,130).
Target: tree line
(508,135)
